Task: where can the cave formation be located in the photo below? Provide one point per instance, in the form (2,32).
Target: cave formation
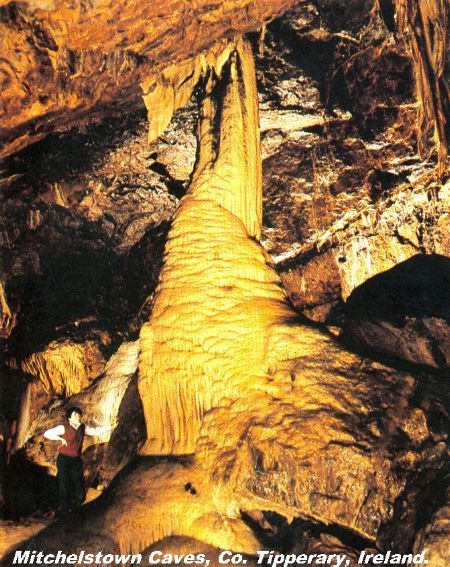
(255,426)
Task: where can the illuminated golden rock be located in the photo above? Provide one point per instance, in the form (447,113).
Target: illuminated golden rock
(425,26)
(216,293)
(12,534)
(178,499)
(173,88)
(185,545)
(277,411)
(7,318)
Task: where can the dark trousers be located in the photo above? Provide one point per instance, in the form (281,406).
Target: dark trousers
(70,482)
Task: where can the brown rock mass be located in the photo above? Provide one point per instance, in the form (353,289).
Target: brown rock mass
(65,62)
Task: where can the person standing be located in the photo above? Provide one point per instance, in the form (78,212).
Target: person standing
(69,463)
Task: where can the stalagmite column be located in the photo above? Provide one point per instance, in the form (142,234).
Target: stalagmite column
(219,307)
(228,168)
(204,330)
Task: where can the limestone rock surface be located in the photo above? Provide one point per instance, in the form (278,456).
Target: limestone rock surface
(62,62)
(65,368)
(433,538)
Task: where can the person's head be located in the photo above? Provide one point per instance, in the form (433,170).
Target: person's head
(74,414)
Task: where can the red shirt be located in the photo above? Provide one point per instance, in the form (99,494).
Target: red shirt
(74,439)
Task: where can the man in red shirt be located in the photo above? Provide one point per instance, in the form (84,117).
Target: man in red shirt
(69,463)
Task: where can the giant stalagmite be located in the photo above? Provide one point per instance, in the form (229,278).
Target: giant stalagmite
(216,296)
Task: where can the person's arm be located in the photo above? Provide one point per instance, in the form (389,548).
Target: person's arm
(54,434)
(97,431)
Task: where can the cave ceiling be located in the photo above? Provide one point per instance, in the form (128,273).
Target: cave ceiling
(226,234)
(63,61)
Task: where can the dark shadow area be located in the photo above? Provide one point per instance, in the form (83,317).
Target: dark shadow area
(73,152)
(82,286)
(418,287)
(423,496)
(28,488)
(175,186)
(342,60)
(402,314)
(275,532)
(344,15)
(313,56)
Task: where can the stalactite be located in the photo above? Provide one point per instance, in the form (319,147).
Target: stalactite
(7,319)
(238,161)
(23,419)
(219,313)
(61,65)
(64,367)
(426,26)
(173,88)
(228,170)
